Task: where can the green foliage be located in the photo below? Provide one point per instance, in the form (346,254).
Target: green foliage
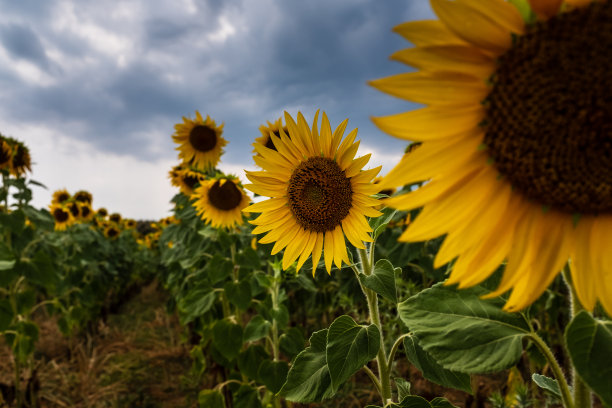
(589,342)
(382,280)
(463,332)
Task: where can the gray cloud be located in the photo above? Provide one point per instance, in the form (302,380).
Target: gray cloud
(126,74)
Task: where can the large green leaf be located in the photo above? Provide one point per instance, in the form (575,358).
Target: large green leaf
(246,397)
(250,359)
(589,342)
(382,280)
(463,332)
(433,371)
(292,342)
(227,338)
(349,347)
(308,379)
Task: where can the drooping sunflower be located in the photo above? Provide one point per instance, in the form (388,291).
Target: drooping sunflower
(318,193)
(62,216)
(83,196)
(189,179)
(60,196)
(516,143)
(200,141)
(220,201)
(273,128)
(6,154)
(21,161)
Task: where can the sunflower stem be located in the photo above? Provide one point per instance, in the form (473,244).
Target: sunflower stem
(274,296)
(566,396)
(582,393)
(374,315)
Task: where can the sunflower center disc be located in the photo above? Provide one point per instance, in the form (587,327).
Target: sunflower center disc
(320,194)
(203,138)
(60,215)
(549,113)
(224,197)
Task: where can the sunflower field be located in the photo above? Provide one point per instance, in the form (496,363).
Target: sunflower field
(476,273)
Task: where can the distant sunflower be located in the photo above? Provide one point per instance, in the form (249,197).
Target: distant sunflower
(60,196)
(62,216)
(129,224)
(111,231)
(6,155)
(319,193)
(189,179)
(21,161)
(175,175)
(517,143)
(115,217)
(102,212)
(200,141)
(85,211)
(83,196)
(219,202)
(273,128)
(74,209)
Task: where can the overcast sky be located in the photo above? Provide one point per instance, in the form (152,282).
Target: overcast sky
(94,88)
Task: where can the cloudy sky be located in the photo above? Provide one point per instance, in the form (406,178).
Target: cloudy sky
(94,88)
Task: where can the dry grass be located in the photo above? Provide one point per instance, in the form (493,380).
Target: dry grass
(134,360)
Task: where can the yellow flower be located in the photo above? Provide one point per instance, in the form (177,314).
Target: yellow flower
(102,212)
(220,202)
(6,154)
(60,196)
(83,196)
(21,161)
(111,231)
(516,143)
(273,128)
(85,211)
(318,193)
(62,216)
(188,180)
(200,141)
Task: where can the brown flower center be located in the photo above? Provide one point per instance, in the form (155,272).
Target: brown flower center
(60,215)
(203,138)
(549,127)
(320,194)
(74,209)
(224,197)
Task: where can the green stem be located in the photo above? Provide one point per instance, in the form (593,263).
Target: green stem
(274,296)
(381,357)
(582,393)
(566,396)
(395,347)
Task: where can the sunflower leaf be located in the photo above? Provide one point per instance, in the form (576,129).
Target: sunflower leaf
(589,342)
(308,379)
(463,332)
(227,338)
(379,224)
(547,384)
(211,399)
(273,374)
(349,347)
(430,368)
(382,280)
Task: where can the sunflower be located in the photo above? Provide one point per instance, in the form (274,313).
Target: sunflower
(115,217)
(74,209)
(21,161)
(102,212)
(273,128)
(516,143)
(83,196)
(200,141)
(62,216)
(60,196)
(85,210)
(220,202)
(111,231)
(189,179)
(129,224)
(6,154)
(318,193)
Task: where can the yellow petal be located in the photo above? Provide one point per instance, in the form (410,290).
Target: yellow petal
(427,32)
(355,167)
(294,248)
(338,137)
(339,247)
(326,137)
(464,59)
(328,250)
(266,205)
(307,250)
(316,252)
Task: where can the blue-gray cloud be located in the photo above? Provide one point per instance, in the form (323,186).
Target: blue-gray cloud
(122,72)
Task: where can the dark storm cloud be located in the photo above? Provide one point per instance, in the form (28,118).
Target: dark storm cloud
(127,70)
(22,43)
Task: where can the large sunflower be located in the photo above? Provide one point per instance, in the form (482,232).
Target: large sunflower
(200,141)
(220,202)
(517,143)
(318,193)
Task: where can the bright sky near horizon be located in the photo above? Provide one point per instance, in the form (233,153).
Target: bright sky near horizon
(94,88)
